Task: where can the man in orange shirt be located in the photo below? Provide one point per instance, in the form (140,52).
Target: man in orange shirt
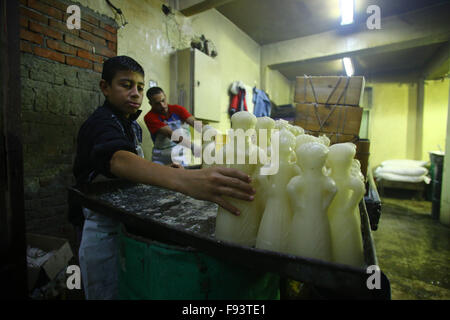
(162,120)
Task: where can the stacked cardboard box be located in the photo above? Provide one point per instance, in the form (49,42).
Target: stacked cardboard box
(331,106)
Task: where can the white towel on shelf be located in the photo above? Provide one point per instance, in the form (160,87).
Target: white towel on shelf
(402,178)
(403,170)
(404,163)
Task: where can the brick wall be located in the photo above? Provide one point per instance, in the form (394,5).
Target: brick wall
(60,73)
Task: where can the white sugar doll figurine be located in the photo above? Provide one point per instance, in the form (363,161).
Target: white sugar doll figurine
(323,139)
(343,212)
(264,128)
(242,155)
(311,194)
(280,124)
(356,169)
(296,130)
(209,145)
(356,172)
(277,216)
(305,138)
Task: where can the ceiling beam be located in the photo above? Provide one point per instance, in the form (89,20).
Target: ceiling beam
(201,6)
(399,76)
(440,58)
(418,28)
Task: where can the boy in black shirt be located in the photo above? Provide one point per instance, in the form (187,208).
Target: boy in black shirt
(108,145)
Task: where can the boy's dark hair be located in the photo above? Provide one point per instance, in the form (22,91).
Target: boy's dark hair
(120,63)
(152,91)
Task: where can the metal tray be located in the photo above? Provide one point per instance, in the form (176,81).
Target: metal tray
(343,280)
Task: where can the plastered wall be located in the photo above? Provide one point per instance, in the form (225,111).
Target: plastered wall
(445,195)
(279,88)
(435,116)
(388,122)
(393,120)
(239,57)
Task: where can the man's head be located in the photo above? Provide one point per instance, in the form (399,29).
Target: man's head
(157,99)
(123,84)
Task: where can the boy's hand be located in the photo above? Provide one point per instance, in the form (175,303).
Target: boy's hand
(213,183)
(209,184)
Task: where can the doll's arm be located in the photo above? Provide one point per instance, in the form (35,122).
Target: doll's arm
(358,188)
(330,191)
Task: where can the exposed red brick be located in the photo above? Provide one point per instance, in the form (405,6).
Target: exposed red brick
(113,30)
(104,51)
(49,54)
(53,33)
(108,28)
(36,27)
(33,15)
(62,26)
(31,36)
(45,30)
(105,34)
(98,67)
(90,19)
(45,9)
(78,62)
(55,13)
(25,46)
(87,27)
(77,42)
(111,37)
(24,22)
(56,4)
(61,46)
(87,55)
(112,46)
(87,36)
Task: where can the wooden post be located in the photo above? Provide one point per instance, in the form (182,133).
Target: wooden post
(419,118)
(13,269)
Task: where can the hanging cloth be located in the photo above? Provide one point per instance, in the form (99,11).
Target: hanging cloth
(237,98)
(262,104)
(237,102)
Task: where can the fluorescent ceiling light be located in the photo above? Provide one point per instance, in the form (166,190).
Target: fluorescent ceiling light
(348,66)
(346,11)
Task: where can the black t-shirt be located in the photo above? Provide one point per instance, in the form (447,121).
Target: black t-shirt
(100,136)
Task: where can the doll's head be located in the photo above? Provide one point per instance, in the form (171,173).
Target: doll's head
(243,120)
(311,155)
(287,142)
(341,155)
(267,124)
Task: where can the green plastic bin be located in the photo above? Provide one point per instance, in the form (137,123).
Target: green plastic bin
(154,270)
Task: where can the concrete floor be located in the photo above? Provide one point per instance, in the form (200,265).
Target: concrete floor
(413,250)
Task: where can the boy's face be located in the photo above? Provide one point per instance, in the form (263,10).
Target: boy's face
(159,103)
(125,91)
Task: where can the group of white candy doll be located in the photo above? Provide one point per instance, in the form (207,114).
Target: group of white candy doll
(309,207)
